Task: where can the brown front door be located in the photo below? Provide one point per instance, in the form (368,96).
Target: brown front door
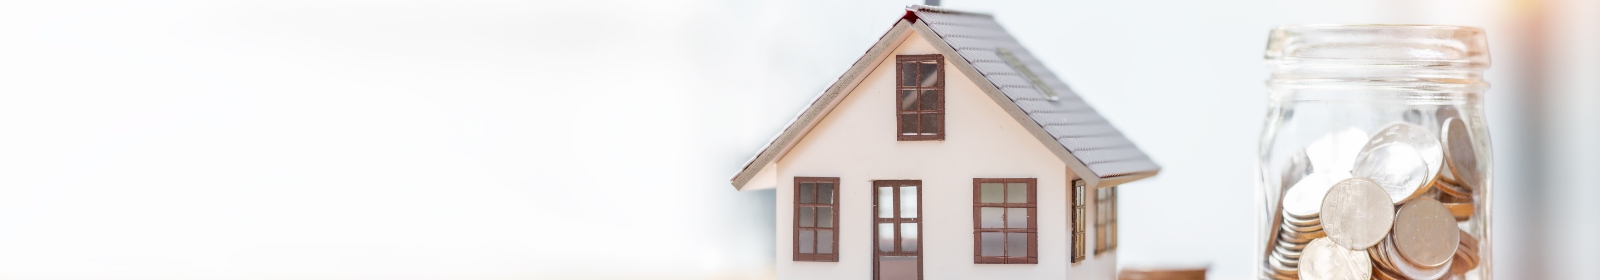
(897,230)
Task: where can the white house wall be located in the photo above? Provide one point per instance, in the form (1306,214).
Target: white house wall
(856,142)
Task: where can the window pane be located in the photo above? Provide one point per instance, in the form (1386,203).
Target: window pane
(808,216)
(992,217)
(992,193)
(1017,217)
(807,240)
(908,73)
(885,237)
(993,243)
(825,217)
(908,237)
(885,202)
(825,242)
(807,193)
(930,124)
(908,99)
(898,268)
(1017,244)
(825,193)
(930,100)
(908,124)
(1077,195)
(908,202)
(928,71)
(1017,193)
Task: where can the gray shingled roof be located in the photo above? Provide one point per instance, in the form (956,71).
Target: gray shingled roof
(1086,141)
(1069,120)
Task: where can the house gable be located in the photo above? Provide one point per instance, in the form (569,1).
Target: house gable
(974,44)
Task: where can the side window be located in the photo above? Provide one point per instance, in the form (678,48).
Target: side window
(1077,220)
(816,208)
(919,97)
(1005,226)
(1105,224)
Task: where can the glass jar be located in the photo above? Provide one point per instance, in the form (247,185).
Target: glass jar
(1374,160)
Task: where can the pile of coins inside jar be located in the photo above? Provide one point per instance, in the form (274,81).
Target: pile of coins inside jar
(1379,206)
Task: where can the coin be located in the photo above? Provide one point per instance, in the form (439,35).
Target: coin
(1292,226)
(1357,213)
(1290,245)
(1411,270)
(1324,260)
(1304,199)
(1397,167)
(1287,253)
(1460,157)
(1418,137)
(1302,222)
(1282,268)
(1451,188)
(1425,232)
(1299,166)
(1387,159)
(1461,211)
(1300,237)
(1285,260)
(1336,151)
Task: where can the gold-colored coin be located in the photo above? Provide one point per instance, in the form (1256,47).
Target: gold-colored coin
(1461,211)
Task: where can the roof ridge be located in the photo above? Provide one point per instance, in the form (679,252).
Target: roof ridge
(937,9)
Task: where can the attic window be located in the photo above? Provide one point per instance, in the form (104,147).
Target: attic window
(919,97)
(1011,59)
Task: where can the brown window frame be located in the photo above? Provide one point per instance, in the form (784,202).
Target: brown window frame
(1032,230)
(1076,197)
(1105,224)
(814,256)
(898,219)
(939,92)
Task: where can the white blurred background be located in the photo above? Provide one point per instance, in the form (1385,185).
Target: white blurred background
(478,139)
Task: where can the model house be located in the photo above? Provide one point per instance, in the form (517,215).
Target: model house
(947,151)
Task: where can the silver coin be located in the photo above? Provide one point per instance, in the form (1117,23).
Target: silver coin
(1425,232)
(1297,167)
(1291,254)
(1304,199)
(1324,260)
(1397,167)
(1336,151)
(1418,137)
(1285,260)
(1282,268)
(1302,222)
(1291,245)
(1460,157)
(1411,270)
(1357,213)
(1300,237)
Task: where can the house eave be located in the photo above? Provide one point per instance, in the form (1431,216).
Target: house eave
(824,103)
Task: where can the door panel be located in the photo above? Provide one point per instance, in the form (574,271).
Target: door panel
(897,234)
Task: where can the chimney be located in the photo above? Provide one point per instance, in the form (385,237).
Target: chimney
(930,2)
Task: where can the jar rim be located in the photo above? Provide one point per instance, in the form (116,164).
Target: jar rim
(1378,44)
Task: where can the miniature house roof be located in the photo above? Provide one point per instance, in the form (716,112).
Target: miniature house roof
(984,52)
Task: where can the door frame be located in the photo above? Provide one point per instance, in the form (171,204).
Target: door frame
(921,227)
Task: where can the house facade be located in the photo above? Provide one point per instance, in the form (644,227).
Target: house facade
(946,152)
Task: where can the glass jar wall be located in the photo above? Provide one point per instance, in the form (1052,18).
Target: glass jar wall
(1374,159)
